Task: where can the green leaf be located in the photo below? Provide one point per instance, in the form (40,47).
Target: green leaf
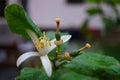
(69,75)
(112,2)
(109,2)
(106,1)
(95,1)
(94,11)
(117,21)
(85,31)
(19,21)
(84,27)
(109,24)
(116,1)
(35,74)
(95,65)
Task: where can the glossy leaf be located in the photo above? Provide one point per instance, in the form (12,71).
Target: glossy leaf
(69,75)
(19,21)
(35,74)
(95,65)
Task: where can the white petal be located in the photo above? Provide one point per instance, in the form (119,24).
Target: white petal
(46,64)
(32,35)
(65,38)
(25,56)
(50,48)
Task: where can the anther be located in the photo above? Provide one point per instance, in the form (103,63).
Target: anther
(44,36)
(48,43)
(41,38)
(57,22)
(42,44)
(87,45)
(37,45)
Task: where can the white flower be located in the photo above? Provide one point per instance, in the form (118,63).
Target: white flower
(44,46)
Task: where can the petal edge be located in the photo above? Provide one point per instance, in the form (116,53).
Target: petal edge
(25,56)
(46,65)
(65,38)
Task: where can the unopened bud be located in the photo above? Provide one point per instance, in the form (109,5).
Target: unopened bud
(57,36)
(67,55)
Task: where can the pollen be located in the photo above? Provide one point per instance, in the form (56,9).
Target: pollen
(42,42)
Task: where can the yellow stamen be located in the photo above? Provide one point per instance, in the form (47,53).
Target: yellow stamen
(49,43)
(44,36)
(88,45)
(37,45)
(42,42)
(85,47)
(40,39)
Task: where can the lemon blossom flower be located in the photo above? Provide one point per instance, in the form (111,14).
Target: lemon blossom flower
(43,46)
